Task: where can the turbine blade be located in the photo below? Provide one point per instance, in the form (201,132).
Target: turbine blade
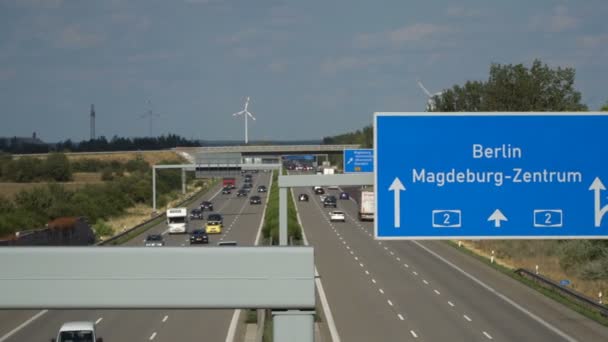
(251,116)
(238,113)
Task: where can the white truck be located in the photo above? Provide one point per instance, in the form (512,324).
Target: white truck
(367,206)
(328,171)
(77,331)
(177,220)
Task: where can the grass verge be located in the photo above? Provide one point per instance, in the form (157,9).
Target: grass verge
(558,297)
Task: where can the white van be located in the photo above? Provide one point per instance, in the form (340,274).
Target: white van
(176,220)
(77,332)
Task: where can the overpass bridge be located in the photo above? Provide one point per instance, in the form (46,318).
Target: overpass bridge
(259,150)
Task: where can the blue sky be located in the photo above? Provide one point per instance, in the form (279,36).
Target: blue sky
(312,68)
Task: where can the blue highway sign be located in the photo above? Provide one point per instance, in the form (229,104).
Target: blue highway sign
(491,175)
(358,160)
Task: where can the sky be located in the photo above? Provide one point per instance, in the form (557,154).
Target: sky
(312,68)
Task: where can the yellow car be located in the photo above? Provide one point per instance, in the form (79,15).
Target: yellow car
(214,227)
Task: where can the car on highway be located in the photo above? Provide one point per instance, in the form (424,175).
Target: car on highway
(154,240)
(330,201)
(206,205)
(262,188)
(227,243)
(247,186)
(215,217)
(226,191)
(322,198)
(213,227)
(319,190)
(241,193)
(199,236)
(333,187)
(77,332)
(337,215)
(303,197)
(344,195)
(196,214)
(255,200)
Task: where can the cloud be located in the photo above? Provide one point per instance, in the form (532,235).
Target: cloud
(283,15)
(400,36)
(74,37)
(277,67)
(37,4)
(559,21)
(457,11)
(335,65)
(593,41)
(7,74)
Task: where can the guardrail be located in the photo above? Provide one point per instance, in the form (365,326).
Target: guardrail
(578,297)
(156,217)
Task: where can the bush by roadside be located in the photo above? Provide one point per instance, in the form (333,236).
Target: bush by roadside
(270,229)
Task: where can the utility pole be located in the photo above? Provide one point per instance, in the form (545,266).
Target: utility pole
(92,122)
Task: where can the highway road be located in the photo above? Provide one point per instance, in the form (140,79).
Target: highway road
(425,291)
(241,224)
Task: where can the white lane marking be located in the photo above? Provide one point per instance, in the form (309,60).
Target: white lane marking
(415,273)
(373,280)
(153,336)
(425,282)
(367,272)
(22,325)
(183,244)
(231,334)
(392,253)
(165,319)
(381,291)
(499,295)
(351,252)
(333,331)
(451,304)
(398,259)
(467,318)
(401,317)
(357,258)
(385,248)
(389,302)
(360,264)
(98,320)
(487,335)
(406,265)
(347,246)
(437,292)
(413,333)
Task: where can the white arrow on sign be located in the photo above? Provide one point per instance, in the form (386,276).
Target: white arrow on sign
(497,216)
(397,187)
(350,161)
(597,186)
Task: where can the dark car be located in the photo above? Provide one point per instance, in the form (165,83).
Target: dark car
(303,197)
(330,201)
(255,200)
(215,218)
(199,236)
(248,176)
(344,196)
(319,191)
(262,188)
(196,214)
(247,186)
(206,205)
(241,193)
(154,240)
(226,191)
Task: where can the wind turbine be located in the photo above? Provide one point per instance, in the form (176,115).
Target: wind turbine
(150,115)
(246,114)
(430,103)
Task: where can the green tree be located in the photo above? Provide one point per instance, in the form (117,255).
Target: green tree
(604,107)
(515,88)
(58,167)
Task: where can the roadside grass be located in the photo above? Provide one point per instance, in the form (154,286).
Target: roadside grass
(509,271)
(151,157)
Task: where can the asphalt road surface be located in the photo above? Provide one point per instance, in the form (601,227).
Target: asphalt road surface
(424,291)
(241,223)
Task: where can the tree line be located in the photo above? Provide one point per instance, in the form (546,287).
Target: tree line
(101,144)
